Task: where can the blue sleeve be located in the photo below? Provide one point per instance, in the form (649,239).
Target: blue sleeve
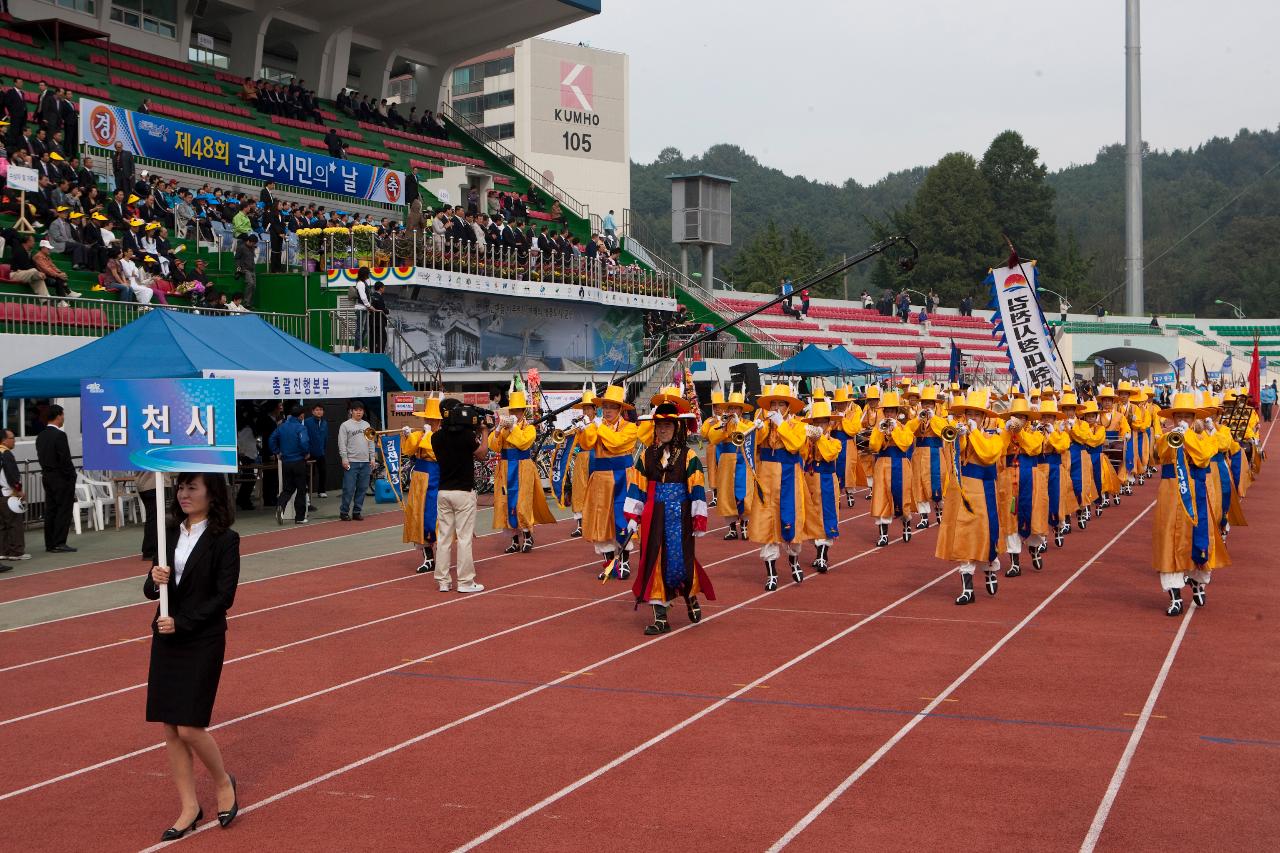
(304,441)
(274,442)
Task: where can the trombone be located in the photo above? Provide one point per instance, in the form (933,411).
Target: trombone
(372,434)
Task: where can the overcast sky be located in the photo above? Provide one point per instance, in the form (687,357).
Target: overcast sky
(833,90)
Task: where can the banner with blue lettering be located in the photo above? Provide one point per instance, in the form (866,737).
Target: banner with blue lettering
(161,425)
(172,141)
(1020,324)
(390,444)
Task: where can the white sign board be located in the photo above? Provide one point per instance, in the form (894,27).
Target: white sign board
(21,178)
(204,40)
(577,106)
(271,384)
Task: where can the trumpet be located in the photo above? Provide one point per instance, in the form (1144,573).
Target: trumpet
(738,439)
(950,433)
(372,434)
(1175,439)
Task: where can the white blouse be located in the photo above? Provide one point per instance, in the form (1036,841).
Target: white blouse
(187,539)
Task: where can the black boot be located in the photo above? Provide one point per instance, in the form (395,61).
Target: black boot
(884,535)
(1037,557)
(797,573)
(514,547)
(937,513)
(428,561)
(528,542)
(770,576)
(1082,518)
(849,498)
(923,523)
(695,612)
(1197,592)
(966,594)
(715,500)
(821,563)
(1175,603)
(906,529)
(733,531)
(1062,532)
(608,566)
(1015,569)
(993,582)
(624,566)
(660,624)
(577,531)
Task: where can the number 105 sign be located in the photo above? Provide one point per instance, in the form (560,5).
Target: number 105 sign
(161,425)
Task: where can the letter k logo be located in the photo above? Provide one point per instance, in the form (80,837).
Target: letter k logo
(576,86)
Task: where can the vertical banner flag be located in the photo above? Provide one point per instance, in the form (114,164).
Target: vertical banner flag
(1179,365)
(162,425)
(953,370)
(1020,325)
(390,446)
(1255,378)
(1225,370)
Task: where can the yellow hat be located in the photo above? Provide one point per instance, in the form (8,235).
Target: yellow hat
(516,401)
(913,389)
(1125,387)
(75,214)
(872,392)
(1090,407)
(820,410)
(1020,406)
(779,393)
(668,408)
(717,398)
(136,222)
(1049,407)
(1210,405)
(151,226)
(739,398)
(1069,399)
(616,395)
(819,392)
(132,199)
(955,386)
(975,401)
(929,394)
(588,399)
(1183,401)
(1139,394)
(148,260)
(1106,392)
(843,394)
(890,400)
(180,249)
(904,381)
(431,410)
(668,394)
(62,208)
(54,155)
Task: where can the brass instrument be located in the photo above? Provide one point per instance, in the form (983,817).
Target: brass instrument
(372,434)
(1175,439)
(950,433)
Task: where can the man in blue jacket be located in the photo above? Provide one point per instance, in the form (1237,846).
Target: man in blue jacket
(318,437)
(291,444)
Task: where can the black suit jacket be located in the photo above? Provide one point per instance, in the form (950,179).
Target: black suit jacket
(122,166)
(199,604)
(54,453)
(16,106)
(117,212)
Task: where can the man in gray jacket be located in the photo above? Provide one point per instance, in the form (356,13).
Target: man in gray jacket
(247,266)
(63,239)
(356,452)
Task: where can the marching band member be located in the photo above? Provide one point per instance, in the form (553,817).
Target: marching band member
(1057,457)
(1223,496)
(845,432)
(735,480)
(822,516)
(779,507)
(709,460)
(1116,430)
(612,441)
(518,500)
(666,504)
(1105,479)
(931,459)
(580,459)
(1185,544)
(1241,473)
(970,532)
(1129,399)
(1083,492)
(1028,487)
(420,503)
(870,417)
(892,443)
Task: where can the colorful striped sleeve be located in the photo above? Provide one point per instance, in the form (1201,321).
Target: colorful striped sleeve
(697,493)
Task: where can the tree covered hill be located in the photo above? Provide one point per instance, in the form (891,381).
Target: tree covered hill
(1212,221)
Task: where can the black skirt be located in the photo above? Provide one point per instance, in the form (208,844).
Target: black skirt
(183,679)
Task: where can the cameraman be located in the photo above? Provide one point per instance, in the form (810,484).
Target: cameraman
(461,440)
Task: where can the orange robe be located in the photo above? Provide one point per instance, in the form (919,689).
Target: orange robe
(1172,532)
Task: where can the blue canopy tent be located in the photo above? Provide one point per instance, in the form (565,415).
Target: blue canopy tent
(264,361)
(392,378)
(813,360)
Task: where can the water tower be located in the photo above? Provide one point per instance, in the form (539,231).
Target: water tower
(701,215)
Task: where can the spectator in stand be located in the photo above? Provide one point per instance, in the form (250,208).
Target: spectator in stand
(53,277)
(15,110)
(1102,311)
(932,301)
(236,305)
(785,288)
(115,279)
(65,240)
(22,265)
(1155,322)
(47,113)
(334,144)
(804,303)
(610,229)
(89,236)
(966,306)
(473,201)
(247,266)
(241,224)
(70,123)
(867,301)
(122,168)
(394,118)
(249,92)
(904,306)
(145,106)
(216,301)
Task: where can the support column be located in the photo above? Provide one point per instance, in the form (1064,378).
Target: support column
(323,60)
(427,80)
(684,261)
(248,32)
(375,71)
(709,267)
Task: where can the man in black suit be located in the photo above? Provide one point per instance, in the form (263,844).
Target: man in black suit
(47,108)
(334,144)
(268,200)
(122,168)
(70,122)
(58,474)
(15,109)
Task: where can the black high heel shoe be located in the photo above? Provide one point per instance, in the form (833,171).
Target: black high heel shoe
(225,818)
(173,833)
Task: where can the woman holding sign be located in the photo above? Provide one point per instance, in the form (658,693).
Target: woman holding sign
(201,568)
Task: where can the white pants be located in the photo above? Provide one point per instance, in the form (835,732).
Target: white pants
(886,520)
(455,519)
(970,568)
(577,516)
(1013,542)
(770,552)
(142,293)
(924,507)
(821,542)
(1177,580)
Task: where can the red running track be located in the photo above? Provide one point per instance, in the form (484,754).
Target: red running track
(537,716)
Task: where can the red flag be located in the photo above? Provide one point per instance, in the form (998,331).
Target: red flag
(1255,378)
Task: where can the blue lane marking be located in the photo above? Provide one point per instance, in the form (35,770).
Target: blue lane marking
(1234,741)
(815,706)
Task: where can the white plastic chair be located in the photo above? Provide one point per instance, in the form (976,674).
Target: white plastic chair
(103,494)
(85,501)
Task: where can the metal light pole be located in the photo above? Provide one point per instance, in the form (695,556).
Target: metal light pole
(1235,309)
(1133,294)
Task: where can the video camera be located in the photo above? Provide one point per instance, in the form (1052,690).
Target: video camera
(465,416)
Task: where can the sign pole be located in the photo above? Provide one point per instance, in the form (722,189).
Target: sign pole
(22,226)
(162,543)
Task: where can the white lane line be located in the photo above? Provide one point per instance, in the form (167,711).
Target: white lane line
(586,670)
(362,678)
(893,741)
(1130,748)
